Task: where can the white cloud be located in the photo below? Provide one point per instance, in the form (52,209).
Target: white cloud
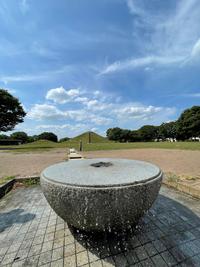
(83,100)
(140,62)
(60,95)
(96,111)
(46,112)
(141,112)
(101,120)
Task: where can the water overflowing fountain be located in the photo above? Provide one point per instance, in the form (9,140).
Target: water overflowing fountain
(101,194)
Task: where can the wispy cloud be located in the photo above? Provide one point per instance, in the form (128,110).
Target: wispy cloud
(173,35)
(195,95)
(130,64)
(35,76)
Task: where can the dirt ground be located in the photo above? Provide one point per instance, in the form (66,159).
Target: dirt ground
(181,162)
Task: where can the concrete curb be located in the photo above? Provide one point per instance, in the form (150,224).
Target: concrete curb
(5,188)
(185,188)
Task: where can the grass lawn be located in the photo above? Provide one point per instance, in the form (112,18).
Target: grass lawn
(47,145)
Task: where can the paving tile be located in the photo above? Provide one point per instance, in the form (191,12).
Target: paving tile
(147,263)
(59,233)
(150,249)
(19,263)
(48,237)
(46,246)
(131,257)
(120,260)
(79,247)
(168,258)
(92,257)
(158,261)
(69,250)
(8,258)
(141,253)
(22,253)
(168,235)
(35,250)
(45,258)
(82,258)
(70,261)
(50,229)
(108,262)
(58,263)
(58,242)
(31,261)
(69,239)
(96,264)
(38,240)
(57,253)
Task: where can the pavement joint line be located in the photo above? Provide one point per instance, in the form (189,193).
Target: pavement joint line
(159,231)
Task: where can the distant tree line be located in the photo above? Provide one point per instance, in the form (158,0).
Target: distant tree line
(24,138)
(186,127)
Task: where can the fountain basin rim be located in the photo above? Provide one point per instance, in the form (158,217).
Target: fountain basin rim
(108,186)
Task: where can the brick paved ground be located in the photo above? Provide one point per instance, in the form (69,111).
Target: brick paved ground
(31,234)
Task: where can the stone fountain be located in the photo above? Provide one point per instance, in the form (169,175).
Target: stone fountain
(103,193)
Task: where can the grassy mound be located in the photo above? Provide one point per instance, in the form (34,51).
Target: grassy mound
(94,137)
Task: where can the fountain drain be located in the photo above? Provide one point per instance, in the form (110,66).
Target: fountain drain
(101,164)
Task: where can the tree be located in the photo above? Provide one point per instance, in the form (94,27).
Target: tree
(188,124)
(11,111)
(148,132)
(20,136)
(4,136)
(48,136)
(64,139)
(135,136)
(30,139)
(114,133)
(167,130)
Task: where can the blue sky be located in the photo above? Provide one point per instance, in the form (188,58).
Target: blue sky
(90,65)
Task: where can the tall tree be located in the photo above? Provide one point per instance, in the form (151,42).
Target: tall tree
(167,130)
(48,136)
(188,124)
(11,111)
(148,132)
(20,136)
(114,133)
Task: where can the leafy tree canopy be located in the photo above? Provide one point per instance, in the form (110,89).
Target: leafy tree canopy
(20,136)
(48,136)
(148,132)
(167,130)
(4,136)
(188,124)
(11,111)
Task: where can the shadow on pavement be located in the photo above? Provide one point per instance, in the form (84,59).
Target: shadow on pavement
(169,234)
(7,219)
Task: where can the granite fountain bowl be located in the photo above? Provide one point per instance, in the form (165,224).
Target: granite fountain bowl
(103,193)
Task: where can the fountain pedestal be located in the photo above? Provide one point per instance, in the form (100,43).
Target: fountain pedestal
(102,193)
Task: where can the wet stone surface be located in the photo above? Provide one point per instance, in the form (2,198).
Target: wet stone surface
(91,194)
(31,234)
